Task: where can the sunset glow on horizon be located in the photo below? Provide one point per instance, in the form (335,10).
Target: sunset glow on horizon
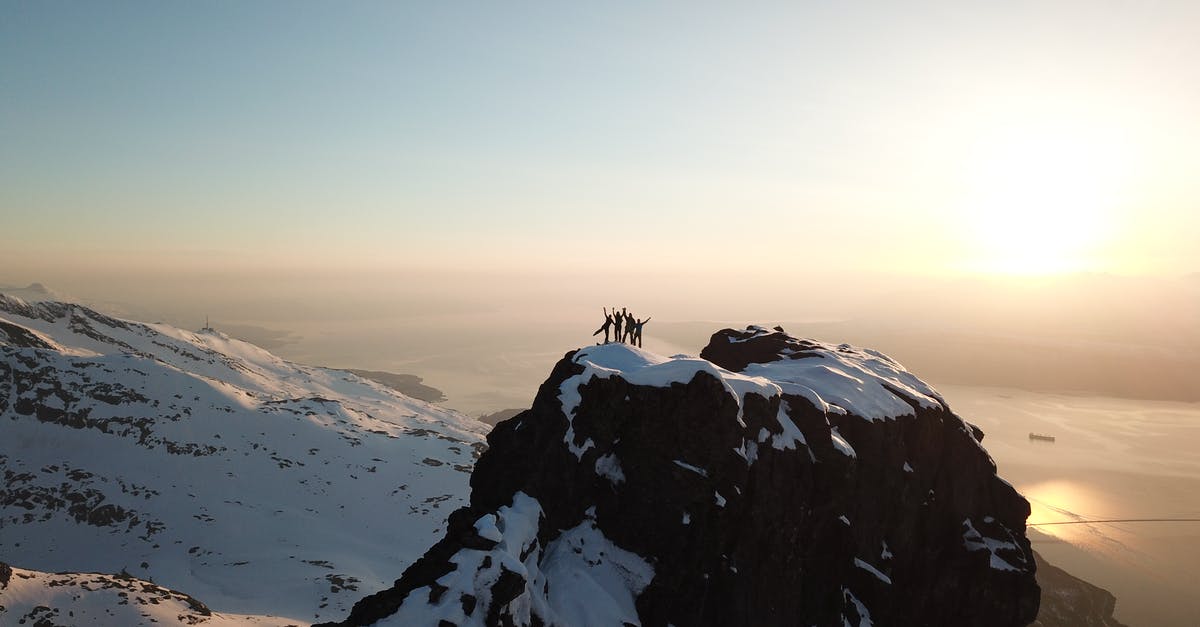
(1045,200)
(926,140)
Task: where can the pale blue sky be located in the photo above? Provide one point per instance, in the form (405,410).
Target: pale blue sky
(525,135)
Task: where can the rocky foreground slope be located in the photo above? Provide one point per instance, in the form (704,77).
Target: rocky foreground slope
(773,481)
(1068,601)
(207,465)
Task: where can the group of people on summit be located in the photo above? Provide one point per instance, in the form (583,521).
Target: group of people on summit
(625,327)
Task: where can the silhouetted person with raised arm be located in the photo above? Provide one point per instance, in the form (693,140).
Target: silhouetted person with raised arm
(618,319)
(629,322)
(637,331)
(608,322)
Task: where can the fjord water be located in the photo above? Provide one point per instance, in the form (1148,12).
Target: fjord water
(1111,459)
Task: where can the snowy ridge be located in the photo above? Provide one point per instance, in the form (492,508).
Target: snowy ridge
(836,379)
(642,367)
(212,466)
(842,378)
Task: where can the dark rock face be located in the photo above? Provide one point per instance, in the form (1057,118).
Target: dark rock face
(20,337)
(763,509)
(1068,601)
(498,417)
(734,350)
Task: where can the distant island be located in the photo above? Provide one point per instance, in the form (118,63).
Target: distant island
(407,384)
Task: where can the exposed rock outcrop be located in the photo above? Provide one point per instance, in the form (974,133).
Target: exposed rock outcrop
(1068,601)
(778,481)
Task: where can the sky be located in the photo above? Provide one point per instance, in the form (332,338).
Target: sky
(155,141)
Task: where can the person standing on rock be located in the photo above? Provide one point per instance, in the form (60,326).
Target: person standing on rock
(637,331)
(608,322)
(629,322)
(618,319)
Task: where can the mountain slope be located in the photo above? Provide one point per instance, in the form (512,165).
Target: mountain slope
(773,481)
(46,599)
(211,466)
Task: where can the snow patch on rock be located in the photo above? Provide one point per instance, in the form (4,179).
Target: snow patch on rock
(975,541)
(579,578)
(609,467)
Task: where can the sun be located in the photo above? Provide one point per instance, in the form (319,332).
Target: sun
(1040,199)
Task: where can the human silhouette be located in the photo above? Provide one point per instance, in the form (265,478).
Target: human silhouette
(637,331)
(629,322)
(608,322)
(618,320)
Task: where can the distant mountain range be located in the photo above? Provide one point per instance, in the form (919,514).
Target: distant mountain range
(34,292)
(208,465)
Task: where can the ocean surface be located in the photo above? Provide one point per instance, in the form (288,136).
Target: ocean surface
(1112,458)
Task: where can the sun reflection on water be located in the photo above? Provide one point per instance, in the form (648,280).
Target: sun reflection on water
(1067,501)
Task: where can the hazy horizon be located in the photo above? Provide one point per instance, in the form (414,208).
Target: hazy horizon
(488,344)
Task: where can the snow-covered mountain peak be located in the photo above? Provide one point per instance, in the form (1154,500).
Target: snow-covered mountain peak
(771,481)
(34,292)
(212,466)
(839,378)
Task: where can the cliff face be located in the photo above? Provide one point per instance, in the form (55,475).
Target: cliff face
(1068,601)
(775,481)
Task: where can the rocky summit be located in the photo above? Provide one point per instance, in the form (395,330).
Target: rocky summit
(771,481)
